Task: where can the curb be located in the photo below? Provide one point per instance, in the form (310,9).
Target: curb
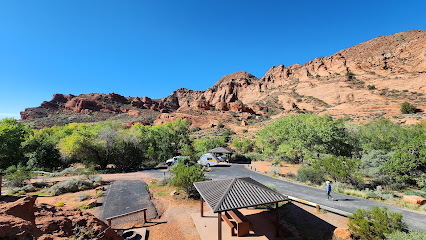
(318,207)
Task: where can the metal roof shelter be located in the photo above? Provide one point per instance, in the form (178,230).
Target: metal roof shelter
(223,150)
(224,195)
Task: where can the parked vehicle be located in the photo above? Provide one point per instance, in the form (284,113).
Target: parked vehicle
(174,160)
(208,160)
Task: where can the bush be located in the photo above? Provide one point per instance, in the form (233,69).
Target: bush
(165,180)
(17,176)
(185,176)
(371,87)
(25,188)
(411,192)
(73,185)
(83,196)
(60,204)
(313,175)
(407,108)
(340,168)
(374,223)
(398,235)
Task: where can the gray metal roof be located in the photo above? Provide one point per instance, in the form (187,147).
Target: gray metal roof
(224,195)
(221,150)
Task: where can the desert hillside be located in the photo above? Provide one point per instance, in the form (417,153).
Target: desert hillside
(363,82)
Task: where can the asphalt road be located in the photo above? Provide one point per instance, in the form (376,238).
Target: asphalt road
(125,196)
(344,202)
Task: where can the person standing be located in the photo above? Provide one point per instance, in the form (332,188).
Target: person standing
(328,189)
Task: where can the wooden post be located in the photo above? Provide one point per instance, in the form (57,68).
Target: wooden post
(109,222)
(202,206)
(144,215)
(1,176)
(317,207)
(219,226)
(277,220)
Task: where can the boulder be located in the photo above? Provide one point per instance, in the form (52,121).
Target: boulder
(147,100)
(342,233)
(133,113)
(414,199)
(117,98)
(92,203)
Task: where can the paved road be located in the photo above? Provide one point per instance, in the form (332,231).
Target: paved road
(345,203)
(125,196)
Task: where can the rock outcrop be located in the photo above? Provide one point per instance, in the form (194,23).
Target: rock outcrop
(335,85)
(23,219)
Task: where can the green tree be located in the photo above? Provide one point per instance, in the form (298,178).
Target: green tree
(342,169)
(41,152)
(296,136)
(185,176)
(409,161)
(12,135)
(375,223)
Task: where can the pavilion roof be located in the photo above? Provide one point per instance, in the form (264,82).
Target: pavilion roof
(224,195)
(221,150)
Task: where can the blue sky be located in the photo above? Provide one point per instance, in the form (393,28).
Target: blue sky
(150,48)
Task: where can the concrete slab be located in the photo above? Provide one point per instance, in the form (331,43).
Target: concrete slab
(263,226)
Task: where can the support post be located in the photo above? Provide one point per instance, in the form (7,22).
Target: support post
(277,220)
(109,222)
(317,207)
(219,226)
(202,206)
(1,176)
(144,215)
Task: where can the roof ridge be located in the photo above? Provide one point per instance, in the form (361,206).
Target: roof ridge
(265,188)
(224,195)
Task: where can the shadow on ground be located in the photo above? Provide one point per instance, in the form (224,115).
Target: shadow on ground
(307,225)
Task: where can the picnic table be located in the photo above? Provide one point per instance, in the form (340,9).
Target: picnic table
(237,221)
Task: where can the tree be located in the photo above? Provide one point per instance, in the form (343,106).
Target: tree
(407,108)
(408,164)
(185,176)
(296,136)
(12,135)
(41,152)
(342,169)
(375,223)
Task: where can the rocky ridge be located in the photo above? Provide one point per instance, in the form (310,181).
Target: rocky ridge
(365,81)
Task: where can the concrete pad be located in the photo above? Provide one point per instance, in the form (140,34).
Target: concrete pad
(263,225)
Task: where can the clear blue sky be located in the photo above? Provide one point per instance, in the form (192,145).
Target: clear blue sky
(151,48)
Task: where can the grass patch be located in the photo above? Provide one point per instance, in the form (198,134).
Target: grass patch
(84,206)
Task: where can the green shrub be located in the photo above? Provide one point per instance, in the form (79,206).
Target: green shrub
(371,87)
(340,168)
(17,176)
(371,163)
(313,175)
(399,235)
(185,176)
(407,108)
(83,196)
(374,223)
(73,185)
(165,180)
(411,192)
(25,188)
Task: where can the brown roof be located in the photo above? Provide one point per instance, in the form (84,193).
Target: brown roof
(221,150)
(223,195)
